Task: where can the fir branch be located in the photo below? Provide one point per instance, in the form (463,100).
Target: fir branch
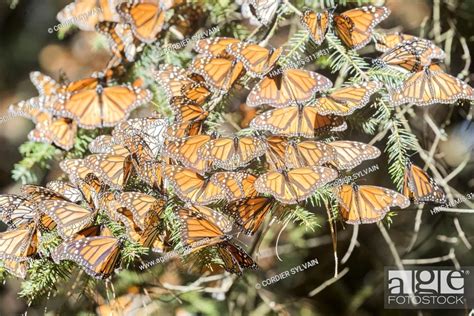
(342,58)
(399,142)
(44,275)
(298,214)
(36,159)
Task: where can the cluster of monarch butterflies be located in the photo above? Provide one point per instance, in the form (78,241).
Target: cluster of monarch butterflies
(203,176)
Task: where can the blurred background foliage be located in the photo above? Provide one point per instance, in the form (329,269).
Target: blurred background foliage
(26,45)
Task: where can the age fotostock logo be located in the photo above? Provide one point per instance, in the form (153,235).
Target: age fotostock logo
(429,288)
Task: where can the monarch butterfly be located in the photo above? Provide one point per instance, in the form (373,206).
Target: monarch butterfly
(430,86)
(276,152)
(264,10)
(349,154)
(66,189)
(202,228)
(296,185)
(385,42)
(355,26)
(142,136)
(85,14)
(17,211)
(249,213)
(307,154)
(150,172)
(141,206)
(235,185)
(420,186)
(113,169)
(389,41)
(219,73)
(132,303)
(248,113)
(182,88)
(93,231)
(45,85)
(146,236)
(69,217)
(100,105)
(121,41)
(231,153)
(345,101)
(97,255)
(103,144)
(16,268)
(257,60)
(192,187)
(185,129)
(411,55)
(283,87)
(146,19)
(297,121)
(215,47)
(36,193)
(84,178)
(19,244)
(186,151)
(317,24)
(366,203)
(49,129)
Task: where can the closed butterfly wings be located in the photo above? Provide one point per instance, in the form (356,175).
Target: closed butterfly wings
(367,204)
(216,47)
(355,26)
(257,60)
(85,14)
(317,24)
(146,19)
(420,186)
(69,217)
(97,255)
(219,73)
(187,151)
(411,55)
(345,101)
(296,185)
(17,245)
(249,213)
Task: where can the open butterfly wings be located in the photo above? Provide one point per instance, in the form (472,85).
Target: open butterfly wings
(287,87)
(420,186)
(367,204)
(296,185)
(297,121)
(431,86)
(102,106)
(231,153)
(349,154)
